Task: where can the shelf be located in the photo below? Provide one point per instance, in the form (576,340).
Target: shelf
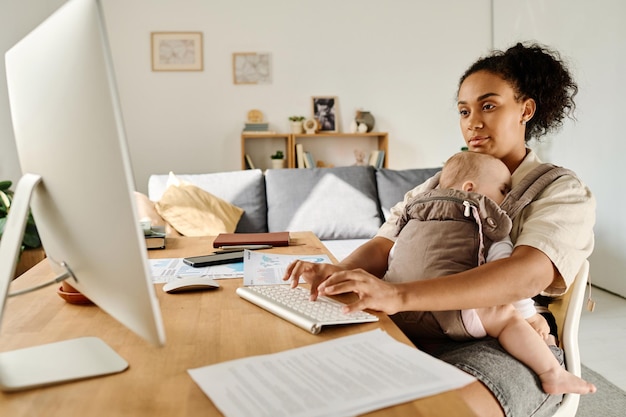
(260,146)
(337,149)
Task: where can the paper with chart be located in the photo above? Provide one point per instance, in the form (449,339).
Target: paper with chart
(261,268)
(342,377)
(168,269)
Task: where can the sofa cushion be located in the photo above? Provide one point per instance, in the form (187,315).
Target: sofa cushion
(393,184)
(334,203)
(195,212)
(244,189)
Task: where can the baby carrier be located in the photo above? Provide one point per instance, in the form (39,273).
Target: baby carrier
(445,231)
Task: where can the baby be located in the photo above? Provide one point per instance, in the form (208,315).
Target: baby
(460,226)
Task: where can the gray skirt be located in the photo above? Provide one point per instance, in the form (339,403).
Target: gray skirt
(514,385)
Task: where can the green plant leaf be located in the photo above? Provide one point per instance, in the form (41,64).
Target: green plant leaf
(31,235)
(5,185)
(278,155)
(5,200)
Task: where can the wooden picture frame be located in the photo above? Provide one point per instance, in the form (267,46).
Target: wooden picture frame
(252,68)
(326,112)
(176,51)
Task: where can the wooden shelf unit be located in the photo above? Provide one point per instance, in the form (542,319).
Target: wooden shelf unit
(260,146)
(337,149)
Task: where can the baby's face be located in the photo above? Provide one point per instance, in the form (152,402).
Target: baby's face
(494,181)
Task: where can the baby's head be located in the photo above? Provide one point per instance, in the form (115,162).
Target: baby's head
(476,172)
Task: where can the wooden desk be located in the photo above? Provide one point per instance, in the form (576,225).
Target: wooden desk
(201,329)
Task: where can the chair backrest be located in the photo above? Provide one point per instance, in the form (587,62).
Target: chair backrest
(567,311)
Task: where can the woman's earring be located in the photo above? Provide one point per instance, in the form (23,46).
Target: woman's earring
(523,121)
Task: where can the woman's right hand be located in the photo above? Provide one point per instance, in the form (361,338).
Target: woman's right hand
(373,292)
(372,256)
(312,273)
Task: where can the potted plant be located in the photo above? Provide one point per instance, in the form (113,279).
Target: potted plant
(296,124)
(31,240)
(31,236)
(278,160)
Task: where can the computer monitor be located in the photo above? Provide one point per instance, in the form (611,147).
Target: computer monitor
(78,183)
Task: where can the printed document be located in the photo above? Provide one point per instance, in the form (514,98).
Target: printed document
(341,377)
(261,268)
(168,269)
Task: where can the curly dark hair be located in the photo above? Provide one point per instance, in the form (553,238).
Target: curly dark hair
(534,71)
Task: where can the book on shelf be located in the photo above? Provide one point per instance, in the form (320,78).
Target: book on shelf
(256,127)
(373,158)
(260,132)
(249,163)
(240,239)
(380,159)
(309,162)
(377,157)
(154,239)
(299,155)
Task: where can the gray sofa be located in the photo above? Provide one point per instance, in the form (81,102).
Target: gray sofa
(342,204)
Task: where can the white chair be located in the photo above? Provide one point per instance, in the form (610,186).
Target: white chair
(567,311)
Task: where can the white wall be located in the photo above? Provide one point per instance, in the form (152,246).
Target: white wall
(401,60)
(17,18)
(371,54)
(592,37)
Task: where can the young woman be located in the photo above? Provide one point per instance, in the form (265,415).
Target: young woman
(504,100)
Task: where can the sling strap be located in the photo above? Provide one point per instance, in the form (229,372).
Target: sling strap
(527,190)
(531,186)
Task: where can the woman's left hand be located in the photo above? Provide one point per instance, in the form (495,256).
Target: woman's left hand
(373,293)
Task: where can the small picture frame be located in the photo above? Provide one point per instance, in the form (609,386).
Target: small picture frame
(252,68)
(326,112)
(176,51)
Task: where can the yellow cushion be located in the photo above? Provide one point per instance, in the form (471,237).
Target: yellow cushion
(195,212)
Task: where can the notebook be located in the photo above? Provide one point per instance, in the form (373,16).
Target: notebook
(236,239)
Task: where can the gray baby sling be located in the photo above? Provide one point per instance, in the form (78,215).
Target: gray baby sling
(443,232)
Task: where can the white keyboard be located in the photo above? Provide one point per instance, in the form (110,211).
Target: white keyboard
(294,306)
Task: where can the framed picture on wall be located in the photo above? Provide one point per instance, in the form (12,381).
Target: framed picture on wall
(326,112)
(252,68)
(176,51)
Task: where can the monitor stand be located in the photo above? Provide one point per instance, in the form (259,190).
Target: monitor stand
(44,365)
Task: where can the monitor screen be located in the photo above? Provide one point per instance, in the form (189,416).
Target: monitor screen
(69,131)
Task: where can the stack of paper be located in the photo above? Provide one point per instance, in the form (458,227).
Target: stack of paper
(342,377)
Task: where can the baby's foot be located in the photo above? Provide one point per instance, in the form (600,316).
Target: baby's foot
(559,381)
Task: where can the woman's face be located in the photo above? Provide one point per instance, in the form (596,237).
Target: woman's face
(491,119)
